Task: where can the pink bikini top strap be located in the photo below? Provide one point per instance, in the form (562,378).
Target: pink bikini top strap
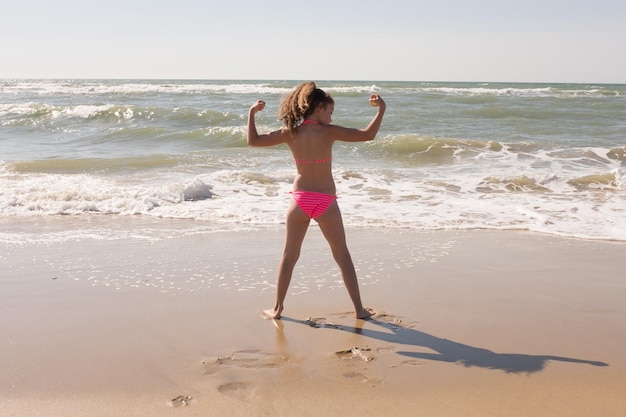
(313,161)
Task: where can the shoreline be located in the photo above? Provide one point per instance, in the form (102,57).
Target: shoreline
(478,323)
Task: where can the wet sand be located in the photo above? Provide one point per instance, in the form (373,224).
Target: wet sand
(479,323)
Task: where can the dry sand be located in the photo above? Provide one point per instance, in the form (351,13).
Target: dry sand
(477,323)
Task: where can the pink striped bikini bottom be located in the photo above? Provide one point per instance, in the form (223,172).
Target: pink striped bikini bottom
(314,204)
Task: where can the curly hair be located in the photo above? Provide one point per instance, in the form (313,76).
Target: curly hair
(301,103)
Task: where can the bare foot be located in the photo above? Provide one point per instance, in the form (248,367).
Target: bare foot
(272,313)
(365,313)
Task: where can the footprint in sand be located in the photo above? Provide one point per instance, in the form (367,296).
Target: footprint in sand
(320,323)
(392,321)
(410,362)
(240,390)
(380,317)
(355,352)
(360,378)
(355,377)
(244,359)
(180,401)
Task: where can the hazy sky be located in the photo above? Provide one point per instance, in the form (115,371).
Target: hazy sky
(445,40)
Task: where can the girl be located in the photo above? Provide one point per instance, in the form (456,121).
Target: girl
(306,115)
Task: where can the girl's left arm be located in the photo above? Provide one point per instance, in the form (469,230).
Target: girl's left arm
(362,135)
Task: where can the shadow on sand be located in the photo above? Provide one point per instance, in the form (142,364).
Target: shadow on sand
(448,350)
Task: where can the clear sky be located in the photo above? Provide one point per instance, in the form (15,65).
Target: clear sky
(412,40)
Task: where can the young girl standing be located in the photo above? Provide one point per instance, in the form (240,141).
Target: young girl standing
(306,115)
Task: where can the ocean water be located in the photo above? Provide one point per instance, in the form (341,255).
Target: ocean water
(128,158)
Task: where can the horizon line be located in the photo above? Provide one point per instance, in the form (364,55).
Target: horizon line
(2,78)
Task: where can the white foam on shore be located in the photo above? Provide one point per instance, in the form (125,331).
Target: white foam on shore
(591,208)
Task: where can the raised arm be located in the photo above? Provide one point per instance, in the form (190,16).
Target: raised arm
(265,139)
(362,135)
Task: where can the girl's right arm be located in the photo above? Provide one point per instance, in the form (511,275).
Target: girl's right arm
(266,139)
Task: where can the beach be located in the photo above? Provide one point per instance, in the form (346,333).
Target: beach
(140,236)
(468,323)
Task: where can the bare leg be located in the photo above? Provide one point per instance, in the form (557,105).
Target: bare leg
(331,225)
(297,224)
